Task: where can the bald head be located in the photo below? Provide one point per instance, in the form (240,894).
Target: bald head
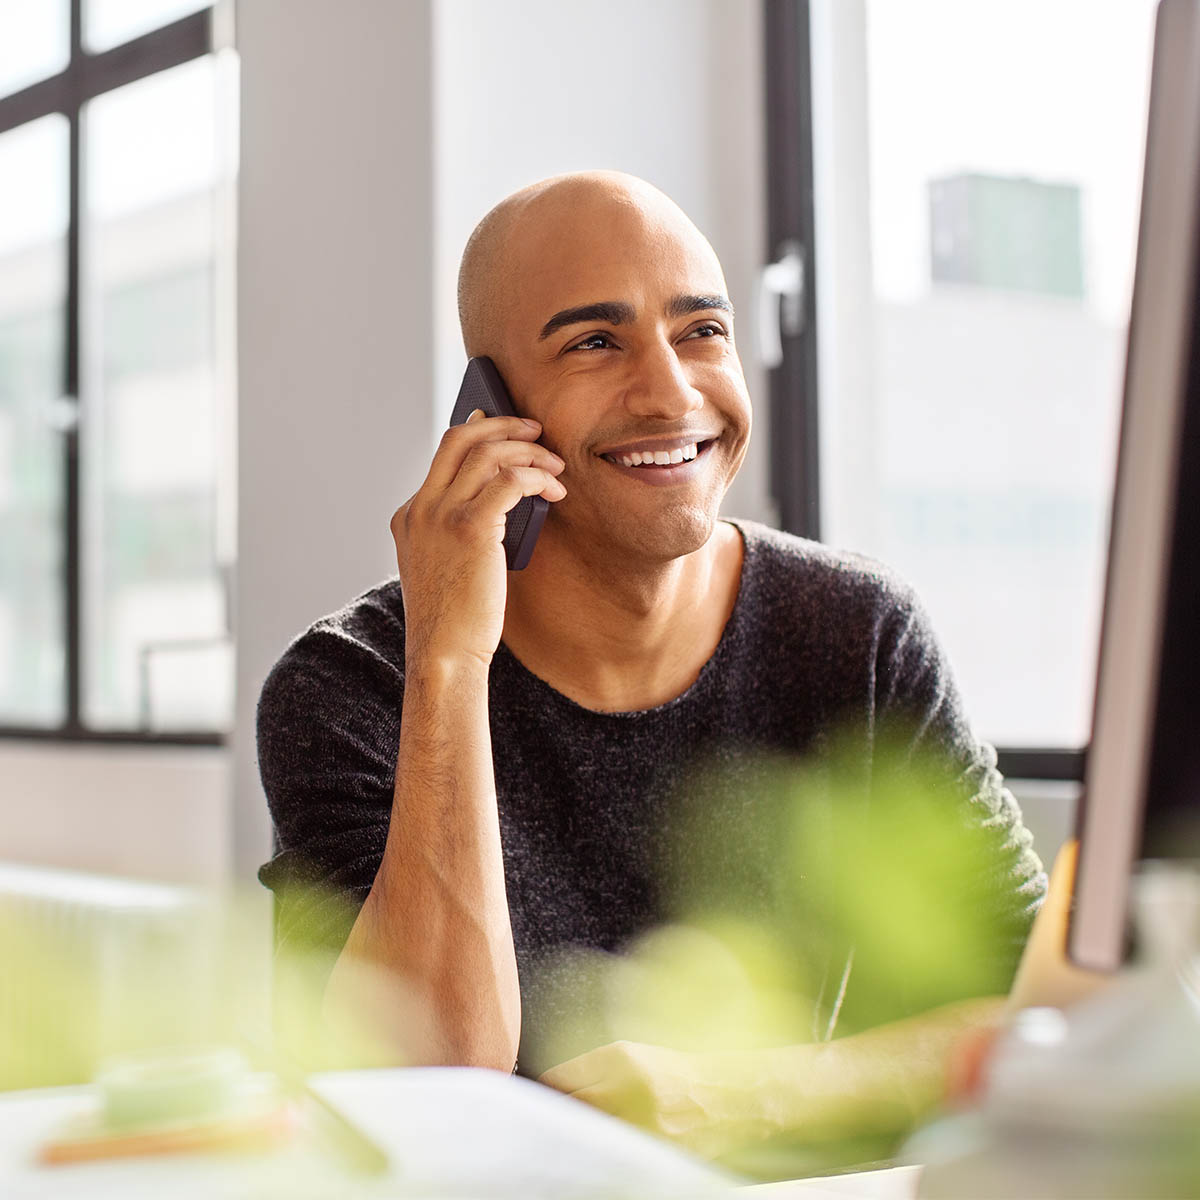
(513,237)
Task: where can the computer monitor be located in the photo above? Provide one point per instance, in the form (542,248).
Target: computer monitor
(1141,795)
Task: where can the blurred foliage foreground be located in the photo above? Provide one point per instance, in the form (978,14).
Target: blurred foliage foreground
(807,902)
(775,874)
(84,986)
(775,878)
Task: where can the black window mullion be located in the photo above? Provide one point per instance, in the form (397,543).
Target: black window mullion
(1059,765)
(794,460)
(110,737)
(89,75)
(71,547)
(160,50)
(72,608)
(38,100)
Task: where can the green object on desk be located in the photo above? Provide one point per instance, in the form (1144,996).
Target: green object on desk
(171,1085)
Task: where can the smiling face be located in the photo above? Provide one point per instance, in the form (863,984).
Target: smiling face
(616,333)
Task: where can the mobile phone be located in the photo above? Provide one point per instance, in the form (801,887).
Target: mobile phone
(483,388)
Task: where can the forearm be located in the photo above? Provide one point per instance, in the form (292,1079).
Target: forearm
(880,1081)
(437,915)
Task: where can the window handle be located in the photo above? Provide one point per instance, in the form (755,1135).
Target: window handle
(780,302)
(62,413)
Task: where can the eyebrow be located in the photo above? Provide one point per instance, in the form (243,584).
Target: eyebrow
(618,312)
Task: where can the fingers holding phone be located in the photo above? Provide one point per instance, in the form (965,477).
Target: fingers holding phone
(498,468)
(475,517)
(483,388)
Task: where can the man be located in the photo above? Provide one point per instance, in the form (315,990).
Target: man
(478,761)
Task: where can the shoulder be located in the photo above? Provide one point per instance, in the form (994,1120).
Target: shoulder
(341,660)
(369,626)
(815,582)
(842,616)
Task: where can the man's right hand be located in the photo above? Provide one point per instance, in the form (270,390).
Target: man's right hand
(437,913)
(449,535)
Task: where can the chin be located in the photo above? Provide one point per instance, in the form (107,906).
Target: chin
(676,531)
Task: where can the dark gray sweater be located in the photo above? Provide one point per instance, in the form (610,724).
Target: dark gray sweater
(818,641)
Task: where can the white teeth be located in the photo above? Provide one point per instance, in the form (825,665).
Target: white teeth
(660,458)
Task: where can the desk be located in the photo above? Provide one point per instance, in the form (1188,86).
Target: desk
(895,1183)
(451,1132)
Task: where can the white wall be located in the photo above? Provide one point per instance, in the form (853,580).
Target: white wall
(155,813)
(335,324)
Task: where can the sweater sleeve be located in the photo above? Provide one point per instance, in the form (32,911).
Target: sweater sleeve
(998,880)
(328,732)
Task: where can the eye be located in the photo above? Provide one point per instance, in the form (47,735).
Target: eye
(712,328)
(591,338)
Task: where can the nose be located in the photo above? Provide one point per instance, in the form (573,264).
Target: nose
(659,386)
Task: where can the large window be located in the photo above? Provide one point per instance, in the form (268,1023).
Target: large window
(973,174)
(116,369)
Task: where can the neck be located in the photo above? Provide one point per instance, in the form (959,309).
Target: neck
(627,637)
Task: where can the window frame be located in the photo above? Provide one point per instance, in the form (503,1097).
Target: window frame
(86,76)
(793,387)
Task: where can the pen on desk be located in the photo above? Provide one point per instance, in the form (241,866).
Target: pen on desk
(358,1151)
